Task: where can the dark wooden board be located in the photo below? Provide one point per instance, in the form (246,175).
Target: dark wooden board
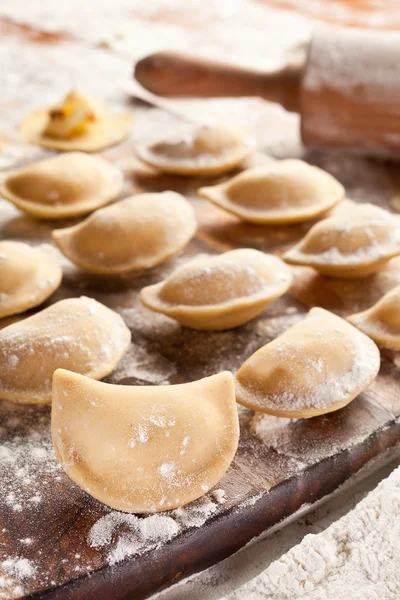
(280,465)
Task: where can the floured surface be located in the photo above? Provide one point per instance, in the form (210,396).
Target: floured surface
(51,532)
(358,555)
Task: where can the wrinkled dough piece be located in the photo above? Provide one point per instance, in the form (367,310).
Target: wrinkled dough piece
(63,186)
(381,322)
(133,234)
(28,276)
(354,245)
(286,191)
(206,150)
(77,123)
(78,334)
(148,448)
(317,366)
(222,291)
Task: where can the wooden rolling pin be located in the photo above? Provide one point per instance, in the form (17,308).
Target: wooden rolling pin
(347,90)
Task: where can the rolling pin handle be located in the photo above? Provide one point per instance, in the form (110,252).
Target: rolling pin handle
(180,75)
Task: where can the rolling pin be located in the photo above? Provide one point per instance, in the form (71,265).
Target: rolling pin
(346,90)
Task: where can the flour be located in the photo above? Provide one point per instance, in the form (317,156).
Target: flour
(13,572)
(29,468)
(18,567)
(357,557)
(138,28)
(376,62)
(126,535)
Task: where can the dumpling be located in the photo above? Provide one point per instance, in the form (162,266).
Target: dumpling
(133,234)
(63,186)
(79,334)
(28,276)
(317,366)
(286,191)
(381,322)
(147,448)
(220,292)
(77,123)
(353,245)
(207,150)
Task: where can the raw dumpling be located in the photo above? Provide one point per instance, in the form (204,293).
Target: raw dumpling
(148,448)
(353,245)
(79,334)
(77,123)
(381,322)
(317,366)
(134,234)
(220,292)
(28,276)
(207,150)
(287,191)
(63,186)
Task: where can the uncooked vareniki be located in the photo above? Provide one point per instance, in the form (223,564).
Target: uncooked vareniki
(353,245)
(137,233)
(381,322)
(286,191)
(63,186)
(77,123)
(317,366)
(28,276)
(220,292)
(207,150)
(79,334)
(148,448)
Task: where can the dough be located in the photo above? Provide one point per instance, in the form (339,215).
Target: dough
(220,292)
(317,366)
(79,334)
(63,186)
(206,150)
(286,191)
(352,245)
(381,322)
(77,123)
(133,234)
(147,448)
(28,276)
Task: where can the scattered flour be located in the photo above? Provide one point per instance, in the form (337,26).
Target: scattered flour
(18,567)
(219,496)
(13,573)
(357,557)
(126,535)
(28,467)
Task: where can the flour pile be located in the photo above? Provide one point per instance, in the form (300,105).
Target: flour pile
(357,557)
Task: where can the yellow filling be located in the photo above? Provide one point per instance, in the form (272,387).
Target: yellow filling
(72,117)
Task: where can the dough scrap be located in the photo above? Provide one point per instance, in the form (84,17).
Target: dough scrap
(354,245)
(79,334)
(134,234)
(206,150)
(381,322)
(220,292)
(28,276)
(77,123)
(63,186)
(144,448)
(286,191)
(317,366)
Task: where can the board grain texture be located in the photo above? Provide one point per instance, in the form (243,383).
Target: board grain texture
(56,542)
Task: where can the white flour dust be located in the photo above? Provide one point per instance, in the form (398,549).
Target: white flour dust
(127,535)
(357,557)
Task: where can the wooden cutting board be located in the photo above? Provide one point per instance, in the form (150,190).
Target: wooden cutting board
(57,542)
